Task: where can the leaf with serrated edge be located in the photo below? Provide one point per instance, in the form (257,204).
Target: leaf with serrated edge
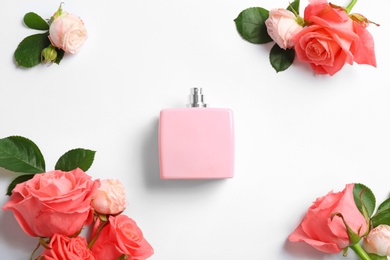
(28,52)
(34,21)
(17,180)
(76,158)
(19,154)
(250,24)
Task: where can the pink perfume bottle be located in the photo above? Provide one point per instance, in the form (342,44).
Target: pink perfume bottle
(196,142)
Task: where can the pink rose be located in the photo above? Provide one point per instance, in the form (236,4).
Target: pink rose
(332,39)
(110,198)
(63,247)
(53,202)
(378,241)
(67,32)
(282,26)
(330,235)
(120,236)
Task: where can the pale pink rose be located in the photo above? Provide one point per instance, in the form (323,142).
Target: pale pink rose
(120,236)
(110,198)
(378,241)
(329,235)
(332,39)
(282,26)
(67,32)
(53,202)
(64,247)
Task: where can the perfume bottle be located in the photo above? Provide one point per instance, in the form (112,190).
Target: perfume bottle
(196,142)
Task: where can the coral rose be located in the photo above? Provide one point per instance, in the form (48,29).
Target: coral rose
(282,26)
(110,198)
(63,247)
(67,32)
(332,39)
(378,241)
(329,235)
(120,236)
(53,202)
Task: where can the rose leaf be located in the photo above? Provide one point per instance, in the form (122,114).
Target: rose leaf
(382,216)
(34,21)
(19,154)
(250,24)
(294,7)
(364,199)
(76,158)
(28,52)
(60,55)
(281,59)
(17,180)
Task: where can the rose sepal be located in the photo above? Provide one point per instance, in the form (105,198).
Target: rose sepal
(353,237)
(377,257)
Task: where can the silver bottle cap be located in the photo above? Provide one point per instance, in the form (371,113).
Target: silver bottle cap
(196,98)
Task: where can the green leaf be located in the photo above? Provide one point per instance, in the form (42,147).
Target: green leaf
(362,193)
(76,158)
(250,24)
(382,216)
(60,55)
(294,7)
(281,59)
(19,154)
(34,21)
(17,180)
(28,52)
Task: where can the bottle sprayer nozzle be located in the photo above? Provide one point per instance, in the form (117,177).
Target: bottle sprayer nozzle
(196,98)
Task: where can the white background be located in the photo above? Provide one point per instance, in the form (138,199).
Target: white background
(298,135)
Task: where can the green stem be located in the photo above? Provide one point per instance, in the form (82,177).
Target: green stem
(35,250)
(350,6)
(101,225)
(360,252)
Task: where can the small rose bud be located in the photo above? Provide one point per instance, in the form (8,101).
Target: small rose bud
(49,54)
(110,198)
(378,241)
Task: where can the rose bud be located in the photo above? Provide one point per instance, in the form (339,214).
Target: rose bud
(378,241)
(49,54)
(110,198)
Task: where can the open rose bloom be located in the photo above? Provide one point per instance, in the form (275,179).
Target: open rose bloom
(328,234)
(67,32)
(54,202)
(332,39)
(64,247)
(120,236)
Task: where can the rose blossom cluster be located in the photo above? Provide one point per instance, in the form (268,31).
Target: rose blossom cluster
(334,223)
(326,38)
(56,205)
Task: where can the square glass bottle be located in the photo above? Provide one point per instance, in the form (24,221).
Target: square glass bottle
(196,142)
